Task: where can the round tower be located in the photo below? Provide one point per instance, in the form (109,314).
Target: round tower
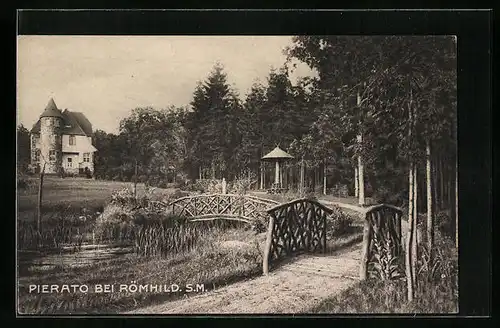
(51,122)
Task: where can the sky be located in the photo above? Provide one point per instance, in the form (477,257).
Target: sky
(105,77)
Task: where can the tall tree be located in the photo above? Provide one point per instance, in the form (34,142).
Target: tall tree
(211,125)
(145,131)
(252,125)
(23,148)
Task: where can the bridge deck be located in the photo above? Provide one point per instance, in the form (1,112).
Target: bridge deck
(292,288)
(345,265)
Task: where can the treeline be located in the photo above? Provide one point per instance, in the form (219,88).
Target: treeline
(378,106)
(218,135)
(149,148)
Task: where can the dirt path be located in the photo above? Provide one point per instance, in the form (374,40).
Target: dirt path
(292,288)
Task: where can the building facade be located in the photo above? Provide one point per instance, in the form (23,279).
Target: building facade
(62,141)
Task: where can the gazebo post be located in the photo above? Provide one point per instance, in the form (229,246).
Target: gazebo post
(277,173)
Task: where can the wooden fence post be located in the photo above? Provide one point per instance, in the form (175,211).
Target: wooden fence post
(224,186)
(363,271)
(267,247)
(324,231)
(39,207)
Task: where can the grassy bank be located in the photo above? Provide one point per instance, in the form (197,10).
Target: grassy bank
(220,261)
(437,290)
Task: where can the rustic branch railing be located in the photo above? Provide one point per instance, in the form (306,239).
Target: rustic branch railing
(382,250)
(299,225)
(230,206)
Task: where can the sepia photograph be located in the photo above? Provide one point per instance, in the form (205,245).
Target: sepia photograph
(237,174)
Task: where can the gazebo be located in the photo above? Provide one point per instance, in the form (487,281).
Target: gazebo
(278,156)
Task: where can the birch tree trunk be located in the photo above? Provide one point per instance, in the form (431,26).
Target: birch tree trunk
(435,182)
(456,202)
(415,210)
(415,237)
(455,135)
(302,177)
(410,254)
(361,180)
(430,214)
(449,182)
(409,236)
(261,176)
(356,182)
(361,175)
(324,177)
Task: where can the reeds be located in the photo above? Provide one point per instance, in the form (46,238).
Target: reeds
(175,235)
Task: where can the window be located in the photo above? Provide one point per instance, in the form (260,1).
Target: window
(72,140)
(37,155)
(70,162)
(52,155)
(86,157)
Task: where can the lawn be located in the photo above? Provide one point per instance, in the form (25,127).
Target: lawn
(76,193)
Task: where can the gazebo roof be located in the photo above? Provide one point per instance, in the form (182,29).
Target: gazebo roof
(277,154)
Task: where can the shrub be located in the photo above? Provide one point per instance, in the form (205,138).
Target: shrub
(243,183)
(387,196)
(123,197)
(25,183)
(338,223)
(340,190)
(115,224)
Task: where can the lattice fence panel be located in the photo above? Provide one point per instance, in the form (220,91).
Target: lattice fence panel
(385,251)
(298,226)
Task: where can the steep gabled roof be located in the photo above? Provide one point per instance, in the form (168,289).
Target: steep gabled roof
(83,122)
(71,124)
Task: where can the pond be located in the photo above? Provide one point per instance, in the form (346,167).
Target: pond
(33,261)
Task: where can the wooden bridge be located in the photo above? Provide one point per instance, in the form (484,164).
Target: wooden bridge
(245,208)
(300,226)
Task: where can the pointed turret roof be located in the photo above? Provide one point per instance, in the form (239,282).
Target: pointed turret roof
(51,110)
(276,154)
